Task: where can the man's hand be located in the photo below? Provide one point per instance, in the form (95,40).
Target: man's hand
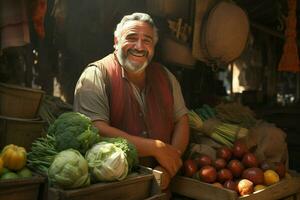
(168,157)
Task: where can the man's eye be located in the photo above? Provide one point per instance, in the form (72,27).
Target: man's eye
(131,38)
(147,41)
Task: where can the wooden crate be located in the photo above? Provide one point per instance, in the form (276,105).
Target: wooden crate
(21,189)
(162,196)
(143,185)
(20,102)
(288,189)
(21,132)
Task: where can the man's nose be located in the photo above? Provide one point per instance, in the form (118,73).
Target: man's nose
(139,44)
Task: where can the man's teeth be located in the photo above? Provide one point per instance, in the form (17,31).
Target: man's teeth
(138,54)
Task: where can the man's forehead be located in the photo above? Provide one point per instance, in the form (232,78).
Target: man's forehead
(134,25)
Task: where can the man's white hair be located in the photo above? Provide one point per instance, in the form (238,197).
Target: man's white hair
(136,17)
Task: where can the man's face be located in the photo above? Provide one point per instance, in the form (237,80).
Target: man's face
(135,48)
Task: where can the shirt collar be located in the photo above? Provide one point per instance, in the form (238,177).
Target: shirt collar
(123,72)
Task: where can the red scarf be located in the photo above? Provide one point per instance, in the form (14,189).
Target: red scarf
(125,111)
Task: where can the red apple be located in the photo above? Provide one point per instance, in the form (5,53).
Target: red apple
(224,152)
(255,175)
(203,160)
(219,163)
(224,175)
(207,174)
(249,160)
(239,149)
(231,185)
(236,168)
(189,167)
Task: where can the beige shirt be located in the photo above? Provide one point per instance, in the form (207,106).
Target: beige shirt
(91,99)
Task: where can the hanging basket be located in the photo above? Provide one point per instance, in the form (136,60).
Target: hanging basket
(221,31)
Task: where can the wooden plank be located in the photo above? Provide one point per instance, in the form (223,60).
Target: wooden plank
(135,187)
(162,196)
(192,188)
(131,188)
(293,197)
(284,188)
(195,189)
(21,188)
(53,194)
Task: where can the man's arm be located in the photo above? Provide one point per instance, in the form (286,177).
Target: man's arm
(181,134)
(180,141)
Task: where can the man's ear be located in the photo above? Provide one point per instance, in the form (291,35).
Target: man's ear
(115,43)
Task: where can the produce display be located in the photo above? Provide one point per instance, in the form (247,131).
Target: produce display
(236,169)
(220,124)
(13,160)
(235,113)
(73,154)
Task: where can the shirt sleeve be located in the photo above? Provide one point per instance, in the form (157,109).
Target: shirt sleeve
(90,97)
(179,104)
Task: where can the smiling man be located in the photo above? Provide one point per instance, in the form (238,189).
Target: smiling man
(128,95)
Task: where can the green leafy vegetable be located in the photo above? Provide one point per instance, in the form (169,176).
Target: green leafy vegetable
(74,130)
(107,162)
(128,148)
(69,170)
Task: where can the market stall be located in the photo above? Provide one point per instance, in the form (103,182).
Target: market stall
(234,71)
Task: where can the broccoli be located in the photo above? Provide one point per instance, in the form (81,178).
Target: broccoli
(74,130)
(127,147)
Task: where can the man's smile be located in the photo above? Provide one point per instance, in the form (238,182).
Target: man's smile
(137,53)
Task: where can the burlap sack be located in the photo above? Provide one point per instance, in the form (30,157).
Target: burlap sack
(268,142)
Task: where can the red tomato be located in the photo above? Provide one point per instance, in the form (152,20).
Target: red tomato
(189,167)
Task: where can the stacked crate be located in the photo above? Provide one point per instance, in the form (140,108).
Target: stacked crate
(19,122)
(20,125)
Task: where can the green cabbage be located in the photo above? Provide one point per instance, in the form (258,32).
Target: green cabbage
(107,162)
(69,170)
(128,148)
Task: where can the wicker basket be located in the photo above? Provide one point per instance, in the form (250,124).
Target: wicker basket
(20,102)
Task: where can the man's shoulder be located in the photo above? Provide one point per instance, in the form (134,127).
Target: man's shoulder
(100,63)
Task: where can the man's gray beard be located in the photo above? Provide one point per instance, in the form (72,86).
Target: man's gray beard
(129,66)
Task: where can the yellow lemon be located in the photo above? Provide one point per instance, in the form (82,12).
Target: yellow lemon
(259,187)
(271,177)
